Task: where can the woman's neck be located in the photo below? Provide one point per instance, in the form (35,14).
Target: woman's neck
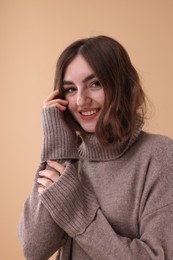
(91,149)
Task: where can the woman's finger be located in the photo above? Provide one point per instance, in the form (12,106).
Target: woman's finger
(48,177)
(50,174)
(52,95)
(40,189)
(44,182)
(59,106)
(57,166)
(59,103)
(55,102)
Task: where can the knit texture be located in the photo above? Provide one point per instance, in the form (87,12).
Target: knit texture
(91,149)
(72,206)
(110,203)
(59,142)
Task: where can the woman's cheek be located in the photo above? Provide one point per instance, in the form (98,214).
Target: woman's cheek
(71,106)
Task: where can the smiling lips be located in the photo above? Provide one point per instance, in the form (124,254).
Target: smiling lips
(90,114)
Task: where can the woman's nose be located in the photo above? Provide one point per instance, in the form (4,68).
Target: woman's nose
(83,99)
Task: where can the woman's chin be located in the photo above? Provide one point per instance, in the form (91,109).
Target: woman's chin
(88,129)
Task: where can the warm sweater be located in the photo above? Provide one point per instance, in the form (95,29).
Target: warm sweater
(110,203)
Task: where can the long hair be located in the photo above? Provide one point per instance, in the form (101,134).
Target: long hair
(124,96)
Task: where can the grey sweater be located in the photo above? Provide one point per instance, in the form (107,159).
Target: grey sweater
(110,203)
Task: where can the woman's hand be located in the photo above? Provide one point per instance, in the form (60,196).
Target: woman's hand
(48,177)
(53,100)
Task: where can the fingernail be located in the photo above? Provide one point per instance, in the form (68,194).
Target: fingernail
(40,172)
(49,161)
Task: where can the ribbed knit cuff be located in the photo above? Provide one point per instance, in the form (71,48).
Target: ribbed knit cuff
(59,141)
(72,206)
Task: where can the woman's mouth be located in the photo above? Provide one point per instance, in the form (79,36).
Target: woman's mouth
(89,114)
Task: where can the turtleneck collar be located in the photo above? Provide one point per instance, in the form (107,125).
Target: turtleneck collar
(91,149)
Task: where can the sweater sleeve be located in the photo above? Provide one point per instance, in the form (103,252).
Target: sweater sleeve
(59,141)
(76,210)
(39,234)
(100,241)
(72,206)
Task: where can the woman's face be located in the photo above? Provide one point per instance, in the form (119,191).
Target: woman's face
(84,92)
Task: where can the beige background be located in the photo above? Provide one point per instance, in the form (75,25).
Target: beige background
(33,33)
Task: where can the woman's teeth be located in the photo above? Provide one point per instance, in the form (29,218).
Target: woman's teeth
(88,113)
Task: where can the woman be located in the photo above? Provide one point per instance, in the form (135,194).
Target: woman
(103,189)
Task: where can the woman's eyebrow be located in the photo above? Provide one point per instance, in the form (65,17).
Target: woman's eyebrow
(89,77)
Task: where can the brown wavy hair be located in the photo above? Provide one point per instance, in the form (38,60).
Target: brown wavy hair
(124,96)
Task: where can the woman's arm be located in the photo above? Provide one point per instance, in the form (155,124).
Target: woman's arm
(76,210)
(39,234)
(59,139)
(100,241)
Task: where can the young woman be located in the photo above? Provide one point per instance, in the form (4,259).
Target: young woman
(104,188)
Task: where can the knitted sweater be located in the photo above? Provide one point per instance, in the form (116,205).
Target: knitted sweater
(110,203)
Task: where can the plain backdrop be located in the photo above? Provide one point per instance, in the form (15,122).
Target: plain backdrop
(33,34)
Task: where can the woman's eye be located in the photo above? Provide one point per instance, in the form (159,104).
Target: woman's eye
(96,84)
(69,90)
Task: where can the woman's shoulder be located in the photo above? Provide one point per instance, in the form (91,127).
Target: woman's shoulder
(156,144)
(157,138)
